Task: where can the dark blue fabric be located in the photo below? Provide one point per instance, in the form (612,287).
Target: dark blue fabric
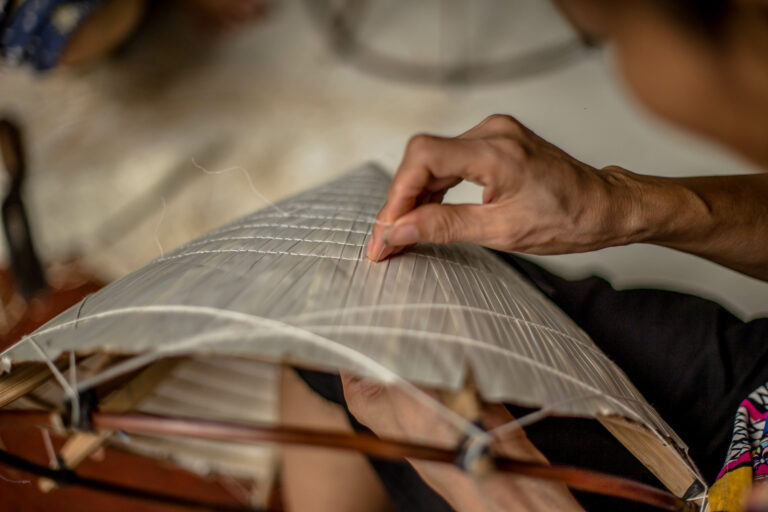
(37,31)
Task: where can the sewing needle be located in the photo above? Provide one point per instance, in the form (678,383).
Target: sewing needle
(380,252)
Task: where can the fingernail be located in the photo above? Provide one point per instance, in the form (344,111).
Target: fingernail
(406,234)
(369,252)
(385,235)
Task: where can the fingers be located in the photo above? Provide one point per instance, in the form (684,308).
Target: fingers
(430,164)
(358,386)
(440,224)
(430,167)
(435,223)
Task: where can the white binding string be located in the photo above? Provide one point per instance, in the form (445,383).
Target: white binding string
(459,307)
(536,416)
(247,177)
(53,461)
(463,340)
(74,398)
(12,481)
(384,373)
(157,228)
(527,420)
(381,372)
(72,370)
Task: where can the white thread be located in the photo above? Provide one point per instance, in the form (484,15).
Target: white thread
(491,348)
(250,183)
(536,416)
(256,237)
(289,226)
(382,372)
(68,390)
(369,219)
(256,251)
(385,374)
(331,207)
(53,461)
(460,307)
(336,258)
(512,354)
(157,228)
(12,481)
(339,258)
(378,256)
(72,370)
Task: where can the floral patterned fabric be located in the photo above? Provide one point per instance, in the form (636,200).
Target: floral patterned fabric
(36,32)
(747,460)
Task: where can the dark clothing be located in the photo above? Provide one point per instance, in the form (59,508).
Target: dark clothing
(692,360)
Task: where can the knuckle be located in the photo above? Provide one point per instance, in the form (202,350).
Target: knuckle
(511,148)
(443,231)
(419,144)
(503,122)
(445,227)
(497,155)
(399,189)
(363,388)
(503,237)
(383,218)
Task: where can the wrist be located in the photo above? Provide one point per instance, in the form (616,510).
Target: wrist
(652,209)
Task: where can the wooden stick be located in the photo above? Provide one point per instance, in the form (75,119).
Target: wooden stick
(24,379)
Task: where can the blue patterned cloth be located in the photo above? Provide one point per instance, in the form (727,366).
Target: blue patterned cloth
(36,32)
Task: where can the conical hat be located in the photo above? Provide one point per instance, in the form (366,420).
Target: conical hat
(291,283)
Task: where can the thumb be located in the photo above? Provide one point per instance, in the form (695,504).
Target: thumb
(437,223)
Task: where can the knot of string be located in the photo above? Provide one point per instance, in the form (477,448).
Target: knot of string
(69,389)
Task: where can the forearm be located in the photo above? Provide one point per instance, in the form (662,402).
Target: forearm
(720,218)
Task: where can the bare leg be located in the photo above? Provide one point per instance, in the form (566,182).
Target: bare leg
(316,479)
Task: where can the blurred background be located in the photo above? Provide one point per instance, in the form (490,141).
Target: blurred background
(298,92)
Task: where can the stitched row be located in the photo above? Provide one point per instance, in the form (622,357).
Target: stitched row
(227,239)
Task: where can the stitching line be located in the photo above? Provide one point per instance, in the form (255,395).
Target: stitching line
(290,226)
(332,242)
(369,219)
(321,256)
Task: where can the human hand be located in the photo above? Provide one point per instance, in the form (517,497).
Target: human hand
(536,199)
(392,412)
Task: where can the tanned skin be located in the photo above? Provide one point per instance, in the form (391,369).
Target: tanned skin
(539,200)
